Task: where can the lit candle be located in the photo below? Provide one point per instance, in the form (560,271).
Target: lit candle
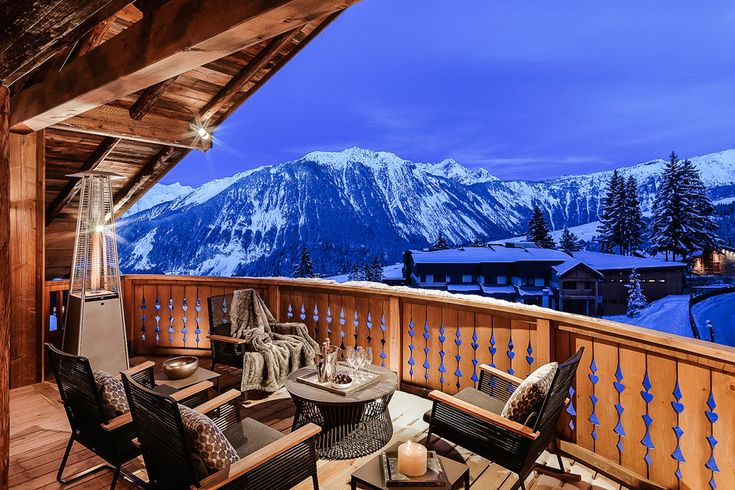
(412,459)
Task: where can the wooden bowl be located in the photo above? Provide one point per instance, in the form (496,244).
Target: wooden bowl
(180,367)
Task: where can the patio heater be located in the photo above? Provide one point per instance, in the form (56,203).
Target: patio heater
(94,326)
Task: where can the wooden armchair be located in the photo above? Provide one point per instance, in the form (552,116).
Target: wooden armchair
(268,460)
(472,419)
(109,438)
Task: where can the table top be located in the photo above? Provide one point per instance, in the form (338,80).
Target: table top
(372,473)
(384,387)
(200,374)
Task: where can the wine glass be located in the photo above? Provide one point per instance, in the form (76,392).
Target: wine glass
(351,356)
(368,358)
(361,359)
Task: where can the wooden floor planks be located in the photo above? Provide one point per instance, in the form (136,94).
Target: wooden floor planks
(39,432)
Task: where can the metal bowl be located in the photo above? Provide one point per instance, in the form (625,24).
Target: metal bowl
(180,367)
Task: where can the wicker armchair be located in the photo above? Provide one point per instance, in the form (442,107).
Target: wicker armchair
(109,438)
(472,420)
(269,460)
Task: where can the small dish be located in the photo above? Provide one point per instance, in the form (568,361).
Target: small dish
(342,381)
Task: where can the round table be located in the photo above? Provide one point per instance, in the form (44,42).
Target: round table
(352,425)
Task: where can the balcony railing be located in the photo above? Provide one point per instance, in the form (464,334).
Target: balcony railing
(658,405)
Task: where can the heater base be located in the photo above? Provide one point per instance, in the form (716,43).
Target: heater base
(95,329)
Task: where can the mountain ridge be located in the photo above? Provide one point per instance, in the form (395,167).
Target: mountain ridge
(347,205)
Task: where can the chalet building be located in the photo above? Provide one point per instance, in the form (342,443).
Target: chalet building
(716,263)
(590,283)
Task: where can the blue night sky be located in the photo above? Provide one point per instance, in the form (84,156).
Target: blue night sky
(530,89)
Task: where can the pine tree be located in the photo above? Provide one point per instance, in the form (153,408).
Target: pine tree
(668,231)
(632,225)
(373,271)
(569,242)
(697,211)
(305,267)
(357,273)
(611,227)
(538,230)
(441,242)
(636,299)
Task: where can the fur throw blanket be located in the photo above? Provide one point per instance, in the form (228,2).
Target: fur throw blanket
(273,350)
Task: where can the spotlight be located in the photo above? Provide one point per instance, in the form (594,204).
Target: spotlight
(99,228)
(203,133)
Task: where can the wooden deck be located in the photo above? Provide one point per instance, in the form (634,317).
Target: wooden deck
(39,432)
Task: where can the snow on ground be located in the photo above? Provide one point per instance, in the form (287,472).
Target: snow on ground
(720,310)
(585,232)
(668,314)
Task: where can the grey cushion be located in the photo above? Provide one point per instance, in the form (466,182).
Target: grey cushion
(250,436)
(478,399)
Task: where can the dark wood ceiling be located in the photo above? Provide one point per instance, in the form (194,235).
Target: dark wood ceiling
(122,136)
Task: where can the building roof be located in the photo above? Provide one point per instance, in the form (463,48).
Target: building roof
(463,288)
(498,289)
(605,262)
(572,264)
(491,254)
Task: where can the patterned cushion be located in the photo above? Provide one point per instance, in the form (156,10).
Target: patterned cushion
(529,395)
(206,440)
(112,392)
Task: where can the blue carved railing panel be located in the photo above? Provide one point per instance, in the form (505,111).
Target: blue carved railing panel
(369,325)
(427,366)
(329,321)
(158,319)
(442,369)
(142,318)
(198,319)
(342,328)
(619,387)
(529,355)
(383,355)
(647,420)
(356,324)
(712,417)
(475,362)
(411,360)
(570,408)
(594,420)
(315,317)
(458,356)
(171,321)
(678,431)
(184,309)
(303,313)
(289,313)
(511,354)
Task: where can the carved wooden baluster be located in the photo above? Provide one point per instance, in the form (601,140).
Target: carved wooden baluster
(619,429)
(142,318)
(712,417)
(458,356)
(184,331)
(383,355)
(411,360)
(158,319)
(427,366)
(442,369)
(198,309)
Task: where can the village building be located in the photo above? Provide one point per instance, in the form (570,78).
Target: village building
(590,283)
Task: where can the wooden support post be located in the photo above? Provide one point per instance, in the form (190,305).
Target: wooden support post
(394,334)
(544,341)
(27,226)
(4,286)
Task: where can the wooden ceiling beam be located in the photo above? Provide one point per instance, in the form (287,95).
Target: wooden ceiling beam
(236,84)
(148,98)
(36,31)
(179,36)
(115,122)
(158,164)
(72,187)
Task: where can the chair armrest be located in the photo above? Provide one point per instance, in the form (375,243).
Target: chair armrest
(117,422)
(486,415)
(217,401)
(260,457)
(139,368)
(191,390)
(229,340)
(501,374)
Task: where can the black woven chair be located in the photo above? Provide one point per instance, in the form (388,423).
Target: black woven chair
(472,420)
(110,439)
(226,350)
(269,460)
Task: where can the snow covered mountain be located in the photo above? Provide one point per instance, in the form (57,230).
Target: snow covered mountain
(157,195)
(346,206)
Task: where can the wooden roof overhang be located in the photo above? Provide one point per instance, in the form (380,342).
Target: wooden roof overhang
(121,86)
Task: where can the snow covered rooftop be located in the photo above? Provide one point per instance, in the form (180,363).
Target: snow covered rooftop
(394,271)
(602,262)
(463,288)
(571,264)
(498,289)
(487,254)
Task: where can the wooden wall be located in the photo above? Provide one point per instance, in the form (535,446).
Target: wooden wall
(26,255)
(4,285)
